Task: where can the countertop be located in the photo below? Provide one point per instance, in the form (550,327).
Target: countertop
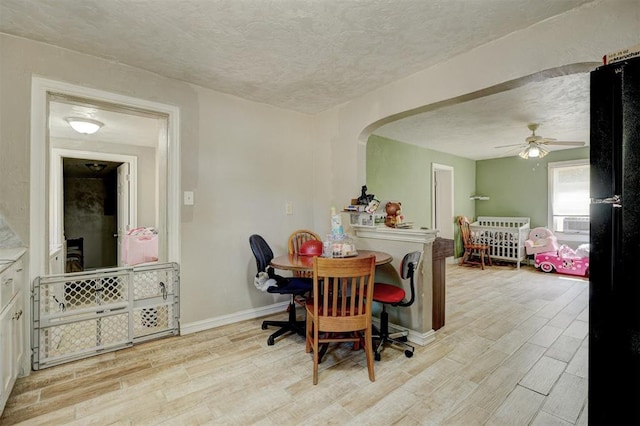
(4,264)
(11,253)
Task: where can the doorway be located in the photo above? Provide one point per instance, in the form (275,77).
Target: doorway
(95,191)
(159,181)
(96,208)
(93,201)
(160,163)
(442,200)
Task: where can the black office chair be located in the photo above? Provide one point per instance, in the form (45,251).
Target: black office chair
(293,286)
(388,294)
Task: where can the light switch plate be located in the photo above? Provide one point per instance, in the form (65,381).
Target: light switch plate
(188,198)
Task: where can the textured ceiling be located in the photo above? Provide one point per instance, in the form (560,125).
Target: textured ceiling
(479,128)
(300,55)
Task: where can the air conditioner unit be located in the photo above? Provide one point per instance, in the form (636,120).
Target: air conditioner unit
(575,224)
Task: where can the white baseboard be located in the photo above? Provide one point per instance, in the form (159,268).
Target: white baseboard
(209,323)
(422,339)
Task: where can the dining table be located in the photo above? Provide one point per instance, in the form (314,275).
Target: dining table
(301,263)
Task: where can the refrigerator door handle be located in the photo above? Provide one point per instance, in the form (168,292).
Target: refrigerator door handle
(610,200)
(616,243)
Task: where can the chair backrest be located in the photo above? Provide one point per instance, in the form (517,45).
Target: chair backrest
(465,230)
(343,293)
(296,239)
(261,251)
(299,237)
(408,266)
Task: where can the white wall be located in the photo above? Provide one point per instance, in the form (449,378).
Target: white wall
(245,160)
(252,159)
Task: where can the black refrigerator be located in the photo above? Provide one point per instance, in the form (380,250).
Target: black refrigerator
(614,264)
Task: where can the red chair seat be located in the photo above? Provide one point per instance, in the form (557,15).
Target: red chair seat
(387,293)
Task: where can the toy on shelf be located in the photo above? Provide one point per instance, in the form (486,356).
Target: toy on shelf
(565,260)
(394,217)
(541,240)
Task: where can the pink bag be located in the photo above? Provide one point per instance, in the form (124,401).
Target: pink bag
(140,245)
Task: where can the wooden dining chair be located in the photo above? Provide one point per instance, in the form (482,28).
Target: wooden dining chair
(474,252)
(296,240)
(340,309)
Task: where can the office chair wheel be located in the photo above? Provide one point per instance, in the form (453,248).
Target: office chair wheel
(377,356)
(408,353)
(264,326)
(270,340)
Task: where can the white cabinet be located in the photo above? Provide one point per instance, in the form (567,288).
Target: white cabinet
(12,337)
(12,327)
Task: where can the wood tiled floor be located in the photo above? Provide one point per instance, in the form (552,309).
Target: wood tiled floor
(513,351)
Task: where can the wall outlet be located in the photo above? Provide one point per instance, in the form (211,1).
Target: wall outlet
(188,198)
(288,208)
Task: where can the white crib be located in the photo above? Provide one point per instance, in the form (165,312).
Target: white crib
(504,235)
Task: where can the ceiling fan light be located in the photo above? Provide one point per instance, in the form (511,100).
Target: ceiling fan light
(85,126)
(533,150)
(542,152)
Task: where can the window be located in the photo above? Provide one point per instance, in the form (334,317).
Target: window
(569,197)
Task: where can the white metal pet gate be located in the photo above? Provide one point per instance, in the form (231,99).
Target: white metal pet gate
(82,314)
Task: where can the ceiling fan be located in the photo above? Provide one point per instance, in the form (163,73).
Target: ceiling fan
(533,147)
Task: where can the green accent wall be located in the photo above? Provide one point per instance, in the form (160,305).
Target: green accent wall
(398,171)
(518,187)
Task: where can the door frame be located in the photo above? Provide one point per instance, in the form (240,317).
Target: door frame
(448,190)
(168,146)
(56,192)
(125,187)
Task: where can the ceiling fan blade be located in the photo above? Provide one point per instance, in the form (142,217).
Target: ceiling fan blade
(565,143)
(513,144)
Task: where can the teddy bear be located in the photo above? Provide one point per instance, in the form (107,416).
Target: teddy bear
(394,214)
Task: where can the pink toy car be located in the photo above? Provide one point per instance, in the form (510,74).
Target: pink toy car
(564,261)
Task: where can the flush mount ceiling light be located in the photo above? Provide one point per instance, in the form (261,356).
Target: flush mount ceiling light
(533,150)
(86,126)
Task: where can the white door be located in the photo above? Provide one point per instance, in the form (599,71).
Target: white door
(442,200)
(123,219)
